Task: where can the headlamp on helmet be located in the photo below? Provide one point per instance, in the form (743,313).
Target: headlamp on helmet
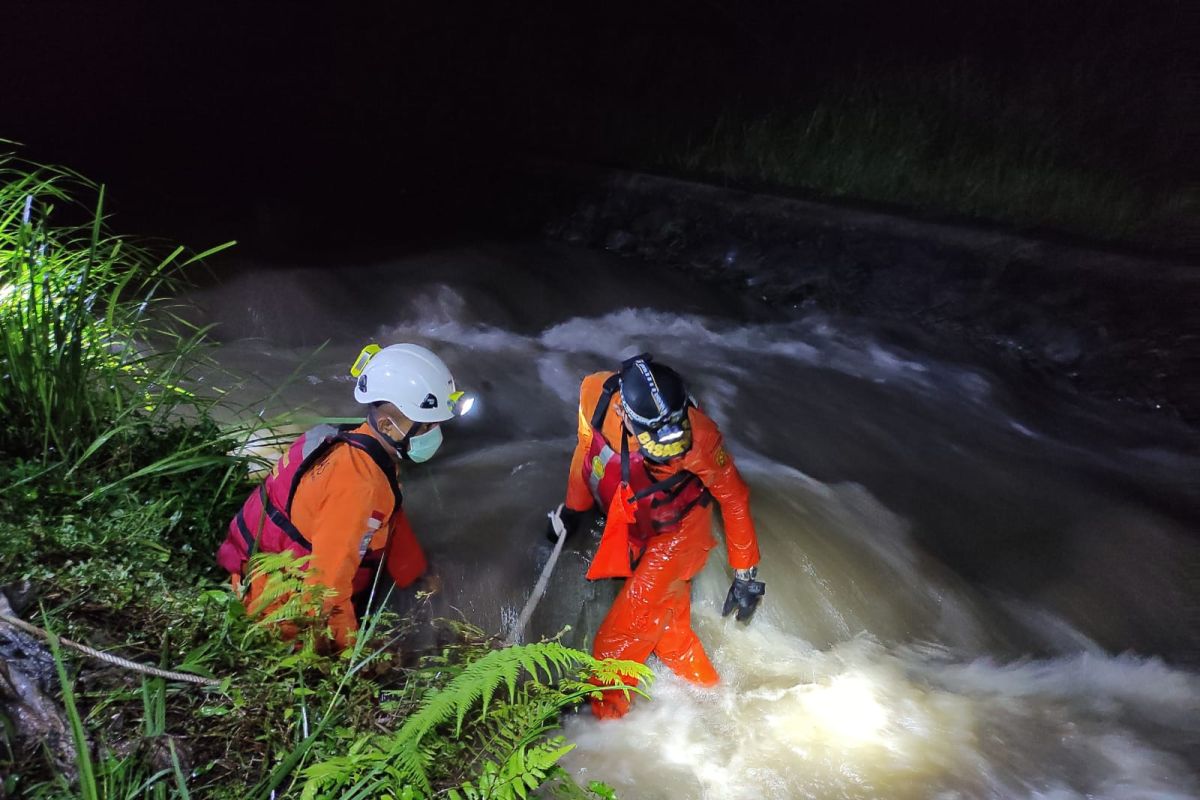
(461,403)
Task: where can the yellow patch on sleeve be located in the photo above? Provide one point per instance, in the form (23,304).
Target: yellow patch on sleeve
(721,456)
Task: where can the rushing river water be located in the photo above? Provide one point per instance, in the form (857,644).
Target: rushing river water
(977,585)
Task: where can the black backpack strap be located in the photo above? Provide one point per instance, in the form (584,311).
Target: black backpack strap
(675,482)
(283,520)
(625,468)
(252,539)
(610,388)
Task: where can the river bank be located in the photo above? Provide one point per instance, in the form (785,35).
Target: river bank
(1116,325)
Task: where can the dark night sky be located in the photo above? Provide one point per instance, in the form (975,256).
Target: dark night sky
(229,112)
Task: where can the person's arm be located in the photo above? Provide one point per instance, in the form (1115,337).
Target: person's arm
(354,502)
(710,461)
(405,559)
(579,496)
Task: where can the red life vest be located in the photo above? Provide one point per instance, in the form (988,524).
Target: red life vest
(661,505)
(264,523)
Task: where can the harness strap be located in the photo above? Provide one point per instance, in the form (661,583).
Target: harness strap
(288,527)
(673,482)
(610,388)
(625,456)
(670,486)
(269,511)
(702,500)
(244,528)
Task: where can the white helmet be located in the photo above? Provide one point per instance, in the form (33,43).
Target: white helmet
(409,377)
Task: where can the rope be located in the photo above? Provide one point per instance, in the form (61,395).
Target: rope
(539,588)
(108,657)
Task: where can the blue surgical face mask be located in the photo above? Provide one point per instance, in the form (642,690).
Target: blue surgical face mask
(421,448)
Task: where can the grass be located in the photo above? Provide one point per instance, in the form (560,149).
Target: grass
(116,484)
(1045,152)
(78,320)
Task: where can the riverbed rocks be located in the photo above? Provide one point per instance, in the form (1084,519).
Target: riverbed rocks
(27,687)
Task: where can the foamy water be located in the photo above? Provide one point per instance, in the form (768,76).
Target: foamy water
(862,720)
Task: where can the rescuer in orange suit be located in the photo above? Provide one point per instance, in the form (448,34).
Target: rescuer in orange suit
(335,496)
(654,462)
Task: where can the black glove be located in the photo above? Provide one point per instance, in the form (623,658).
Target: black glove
(744,594)
(570,520)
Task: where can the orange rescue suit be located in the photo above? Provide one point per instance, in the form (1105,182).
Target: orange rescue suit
(652,614)
(346,508)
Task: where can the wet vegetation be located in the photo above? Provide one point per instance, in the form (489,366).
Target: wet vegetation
(1076,155)
(116,483)
(952,142)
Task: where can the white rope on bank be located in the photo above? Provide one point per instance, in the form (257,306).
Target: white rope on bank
(109,658)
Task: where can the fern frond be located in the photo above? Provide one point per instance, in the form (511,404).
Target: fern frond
(410,765)
(507,737)
(367,773)
(521,723)
(285,563)
(478,682)
(525,769)
(611,670)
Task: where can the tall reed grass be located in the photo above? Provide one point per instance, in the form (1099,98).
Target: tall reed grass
(86,359)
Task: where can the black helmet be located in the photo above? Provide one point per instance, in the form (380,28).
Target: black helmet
(655,401)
